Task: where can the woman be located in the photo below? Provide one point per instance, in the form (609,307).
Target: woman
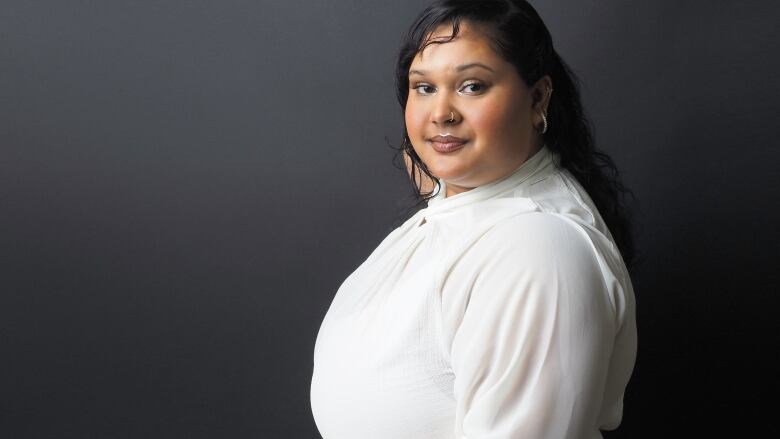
(504,308)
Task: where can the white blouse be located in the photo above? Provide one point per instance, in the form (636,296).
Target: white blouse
(502,312)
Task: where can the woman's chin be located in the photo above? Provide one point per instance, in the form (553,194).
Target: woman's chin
(447,173)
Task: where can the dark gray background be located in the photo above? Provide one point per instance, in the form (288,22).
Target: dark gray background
(185,184)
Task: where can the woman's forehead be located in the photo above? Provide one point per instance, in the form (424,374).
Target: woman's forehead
(470,45)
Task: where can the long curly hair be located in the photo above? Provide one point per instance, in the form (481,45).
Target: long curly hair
(518,34)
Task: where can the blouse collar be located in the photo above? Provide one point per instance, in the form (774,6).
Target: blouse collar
(438,203)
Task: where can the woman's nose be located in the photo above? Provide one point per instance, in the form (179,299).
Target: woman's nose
(443,114)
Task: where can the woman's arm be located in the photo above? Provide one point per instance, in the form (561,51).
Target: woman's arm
(531,351)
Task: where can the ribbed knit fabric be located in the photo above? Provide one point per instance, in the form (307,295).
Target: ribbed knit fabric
(502,312)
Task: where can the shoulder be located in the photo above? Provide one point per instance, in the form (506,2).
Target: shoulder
(537,239)
(534,261)
(561,193)
(543,255)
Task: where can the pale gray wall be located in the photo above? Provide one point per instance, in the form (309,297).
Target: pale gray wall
(185,184)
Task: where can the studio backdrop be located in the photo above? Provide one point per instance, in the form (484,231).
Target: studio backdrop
(185,184)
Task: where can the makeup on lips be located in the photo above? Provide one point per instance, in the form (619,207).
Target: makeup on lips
(446,143)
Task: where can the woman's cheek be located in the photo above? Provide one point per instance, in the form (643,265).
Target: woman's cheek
(487,120)
(411,119)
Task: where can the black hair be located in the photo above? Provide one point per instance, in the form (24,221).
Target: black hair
(518,34)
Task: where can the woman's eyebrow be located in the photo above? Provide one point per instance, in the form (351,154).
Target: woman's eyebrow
(460,68)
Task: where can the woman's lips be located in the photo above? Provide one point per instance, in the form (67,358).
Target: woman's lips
(447,146)
(447,143)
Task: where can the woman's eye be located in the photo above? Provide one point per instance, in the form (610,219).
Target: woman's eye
(476,87)
(427,89)
(470,88)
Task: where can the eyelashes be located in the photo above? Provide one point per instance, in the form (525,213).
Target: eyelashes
(480,86)
(474,87)
(418,87)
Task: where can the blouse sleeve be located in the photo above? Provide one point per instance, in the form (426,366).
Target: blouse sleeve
(531,350)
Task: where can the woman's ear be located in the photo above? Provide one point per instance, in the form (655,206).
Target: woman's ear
(541,93)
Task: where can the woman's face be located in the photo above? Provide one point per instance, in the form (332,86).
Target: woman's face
(494,111)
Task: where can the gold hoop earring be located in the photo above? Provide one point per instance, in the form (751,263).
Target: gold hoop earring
(544,116)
